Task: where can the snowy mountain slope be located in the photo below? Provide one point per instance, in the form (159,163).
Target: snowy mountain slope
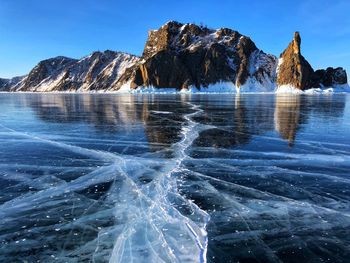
(7,84)
(98,71)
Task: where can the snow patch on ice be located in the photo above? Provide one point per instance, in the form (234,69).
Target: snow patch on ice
(219,87)
(251,86)
(334,89)
(149,90)
(254,86)
(288,89)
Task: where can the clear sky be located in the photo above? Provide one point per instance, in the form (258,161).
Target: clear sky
(33,30)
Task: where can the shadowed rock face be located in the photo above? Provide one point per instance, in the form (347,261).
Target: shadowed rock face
(179,55)
(7,84)
(163,70)
(3,83)
(296,71)
(244,50)
(329,77)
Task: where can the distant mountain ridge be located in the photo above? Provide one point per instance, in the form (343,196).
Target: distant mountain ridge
(181,57)
(94,72)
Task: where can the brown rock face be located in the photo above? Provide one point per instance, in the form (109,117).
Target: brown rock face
(163,70)
(294,69)
(180,55)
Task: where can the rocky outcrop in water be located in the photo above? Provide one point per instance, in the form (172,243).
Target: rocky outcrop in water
(183,55)
(329,77)
(294,70)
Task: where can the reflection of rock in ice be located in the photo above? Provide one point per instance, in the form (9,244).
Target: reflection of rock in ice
(246,116)
(113,113)
(265,204)
(293,110)
(287,116)
(91,108)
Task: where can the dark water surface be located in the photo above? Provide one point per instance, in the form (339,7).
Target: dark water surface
(174,178)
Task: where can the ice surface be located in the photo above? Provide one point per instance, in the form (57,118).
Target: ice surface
(174,178)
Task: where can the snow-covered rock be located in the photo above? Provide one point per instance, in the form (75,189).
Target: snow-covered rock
(7,84)
(98,71)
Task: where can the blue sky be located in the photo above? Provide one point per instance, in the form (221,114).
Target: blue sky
(32,30)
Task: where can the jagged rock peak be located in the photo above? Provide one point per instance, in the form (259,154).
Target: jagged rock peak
(293,68)
(293,46)
(176,36)
(297,42)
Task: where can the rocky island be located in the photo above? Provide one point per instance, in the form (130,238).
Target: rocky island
(183,57)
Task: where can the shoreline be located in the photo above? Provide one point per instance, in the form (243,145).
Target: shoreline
(174,93)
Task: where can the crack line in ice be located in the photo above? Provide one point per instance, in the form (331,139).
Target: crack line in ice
(279,198)
(158,202)
(153,227)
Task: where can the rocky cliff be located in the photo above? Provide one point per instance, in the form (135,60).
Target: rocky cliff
(294,70)
(181,56)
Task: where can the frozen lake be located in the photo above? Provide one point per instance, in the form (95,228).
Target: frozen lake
(174,178)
